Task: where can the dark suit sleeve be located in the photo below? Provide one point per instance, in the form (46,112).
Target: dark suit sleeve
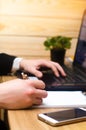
(6,62)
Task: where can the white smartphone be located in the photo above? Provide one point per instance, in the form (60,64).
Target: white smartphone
(63,117)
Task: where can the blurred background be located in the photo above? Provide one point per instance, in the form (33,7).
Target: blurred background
(25,24)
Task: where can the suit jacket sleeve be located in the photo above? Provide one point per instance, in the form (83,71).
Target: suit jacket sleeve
(6,62)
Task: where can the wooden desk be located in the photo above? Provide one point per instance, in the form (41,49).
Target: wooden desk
(27,119)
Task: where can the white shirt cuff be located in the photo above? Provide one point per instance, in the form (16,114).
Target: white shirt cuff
(16,64)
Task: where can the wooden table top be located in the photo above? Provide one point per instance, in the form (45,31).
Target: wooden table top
(27,119)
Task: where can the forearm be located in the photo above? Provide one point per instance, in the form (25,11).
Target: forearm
(6,62)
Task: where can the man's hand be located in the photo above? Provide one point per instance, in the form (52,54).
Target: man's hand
(33,67)
(19,93)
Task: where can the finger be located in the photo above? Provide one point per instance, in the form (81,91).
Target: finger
(38,84)
(37,101)
(60,69)
(36,72)
(40,93)
(56,68)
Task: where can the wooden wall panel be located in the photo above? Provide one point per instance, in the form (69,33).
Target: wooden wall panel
(24,24)
(42,27)
(23,46)
(41,17)
(29,47)
(49,8)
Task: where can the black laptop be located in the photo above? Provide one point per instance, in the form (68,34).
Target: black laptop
(76,73)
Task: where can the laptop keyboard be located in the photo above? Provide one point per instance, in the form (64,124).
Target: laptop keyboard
(72,81)
(74,75)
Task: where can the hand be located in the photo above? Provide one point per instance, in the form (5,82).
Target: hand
(18,93)
(33,67)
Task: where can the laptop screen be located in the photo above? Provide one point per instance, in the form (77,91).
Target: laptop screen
(80,55)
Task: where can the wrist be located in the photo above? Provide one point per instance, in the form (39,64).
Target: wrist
(16,64)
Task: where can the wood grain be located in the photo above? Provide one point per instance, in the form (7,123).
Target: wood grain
(25,24)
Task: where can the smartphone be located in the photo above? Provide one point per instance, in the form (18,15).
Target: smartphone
(63,117)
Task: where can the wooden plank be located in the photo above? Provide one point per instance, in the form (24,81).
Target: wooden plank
(49,8)
(23,46)
(32,26)
(29,47)
(41,17)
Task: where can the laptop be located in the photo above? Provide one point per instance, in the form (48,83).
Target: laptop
(76,72)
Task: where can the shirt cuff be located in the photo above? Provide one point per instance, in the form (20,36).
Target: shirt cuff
(16,64)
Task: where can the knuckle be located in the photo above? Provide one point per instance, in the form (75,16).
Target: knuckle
(31,92)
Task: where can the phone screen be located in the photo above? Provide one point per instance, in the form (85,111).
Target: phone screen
(67,114)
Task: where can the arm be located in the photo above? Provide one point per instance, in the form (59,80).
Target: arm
(32,66)
(6,62)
